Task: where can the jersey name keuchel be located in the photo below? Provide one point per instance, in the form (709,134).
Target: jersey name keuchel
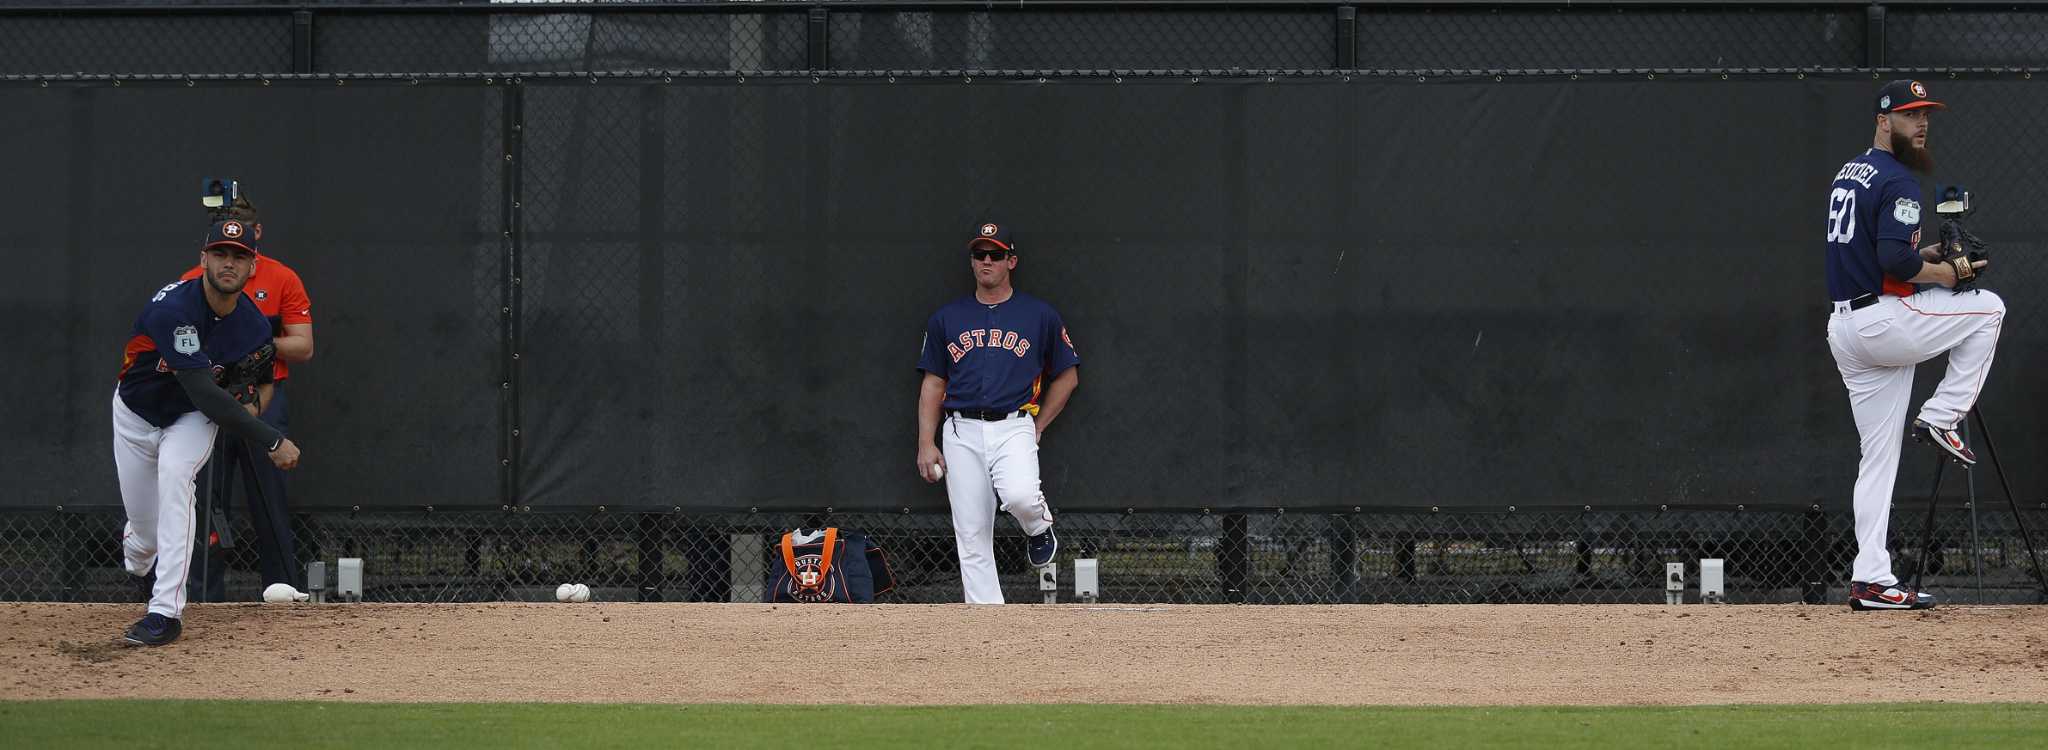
(1858,172)
(995,338)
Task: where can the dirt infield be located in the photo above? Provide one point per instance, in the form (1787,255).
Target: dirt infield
(954,654)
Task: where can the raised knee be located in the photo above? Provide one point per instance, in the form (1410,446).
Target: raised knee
(1991,301)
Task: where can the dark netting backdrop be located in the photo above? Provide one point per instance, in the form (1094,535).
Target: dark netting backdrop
(384,198)
(1590,38)
(351,36)
(1481,336)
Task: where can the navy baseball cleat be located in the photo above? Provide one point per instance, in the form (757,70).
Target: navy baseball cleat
(1869,596)
(1948,439)
(153,630)
(1043,547)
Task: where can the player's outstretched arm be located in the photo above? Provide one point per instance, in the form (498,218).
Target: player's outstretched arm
(220,407)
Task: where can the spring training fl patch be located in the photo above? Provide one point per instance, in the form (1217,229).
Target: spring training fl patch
(185,339)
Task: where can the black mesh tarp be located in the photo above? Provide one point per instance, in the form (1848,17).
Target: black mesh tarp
(180,37)
(385,200)
(1309,291)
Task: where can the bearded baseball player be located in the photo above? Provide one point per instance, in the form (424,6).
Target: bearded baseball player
(998,368)
(194,342)
(1883,325)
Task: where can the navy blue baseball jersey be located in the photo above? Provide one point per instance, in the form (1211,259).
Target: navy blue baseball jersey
(178,331)
(1873,228)
(996,357)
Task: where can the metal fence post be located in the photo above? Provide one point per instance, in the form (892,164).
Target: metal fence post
(508,396)
(1582,552)
(817,33)
(1873,38)
(1233,556)
(1344,559)
(650,540)
(1347,38)
(302,41)
(1815,588)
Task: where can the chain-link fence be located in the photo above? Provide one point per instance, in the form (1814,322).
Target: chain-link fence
(41,38)
(1303,556)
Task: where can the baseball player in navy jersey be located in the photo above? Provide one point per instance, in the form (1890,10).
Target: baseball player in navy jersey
(1883,325)
(998,368)
(169,403)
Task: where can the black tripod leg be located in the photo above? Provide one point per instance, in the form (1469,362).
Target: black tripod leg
(1927,537)
(203,547)
(2018,518)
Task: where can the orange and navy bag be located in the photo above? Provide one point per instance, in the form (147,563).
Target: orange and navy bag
(838,566)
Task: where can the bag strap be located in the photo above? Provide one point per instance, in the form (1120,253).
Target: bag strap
(789,553)
(830,552)
(824,561)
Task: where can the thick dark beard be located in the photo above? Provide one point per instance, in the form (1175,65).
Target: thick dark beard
(1917,159)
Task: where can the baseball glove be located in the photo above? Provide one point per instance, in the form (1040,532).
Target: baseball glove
(241,378)
(1960,251)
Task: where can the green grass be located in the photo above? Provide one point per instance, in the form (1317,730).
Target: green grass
(134,724)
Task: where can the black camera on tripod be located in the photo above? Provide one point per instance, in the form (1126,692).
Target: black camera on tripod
(1956,240)
(224,199)
(219,193)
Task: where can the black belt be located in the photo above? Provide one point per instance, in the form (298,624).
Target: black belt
(985,415)
(1860,302)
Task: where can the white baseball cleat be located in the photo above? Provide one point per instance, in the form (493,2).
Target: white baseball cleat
(1872,596)
(1948,439)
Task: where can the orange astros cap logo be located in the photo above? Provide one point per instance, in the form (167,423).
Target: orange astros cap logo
(1919,90)
(231,230)
(988,230)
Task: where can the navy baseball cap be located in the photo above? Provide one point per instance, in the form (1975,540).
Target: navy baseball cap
(1902,95)
(236,232)
(995,234)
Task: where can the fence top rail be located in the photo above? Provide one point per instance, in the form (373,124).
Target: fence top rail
(827,512)
(772,6)
(991,77)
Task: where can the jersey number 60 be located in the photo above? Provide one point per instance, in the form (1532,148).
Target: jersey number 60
(1841,215)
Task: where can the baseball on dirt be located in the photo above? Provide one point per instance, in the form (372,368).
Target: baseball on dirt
(572,592)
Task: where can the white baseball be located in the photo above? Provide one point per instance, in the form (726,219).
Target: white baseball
(581,594)
(564,591)
(938,471)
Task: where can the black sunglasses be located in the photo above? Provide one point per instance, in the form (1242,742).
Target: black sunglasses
(979,254)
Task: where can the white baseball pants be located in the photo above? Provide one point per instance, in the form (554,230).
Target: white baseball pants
(156,468)
(990,466)
(1876,349)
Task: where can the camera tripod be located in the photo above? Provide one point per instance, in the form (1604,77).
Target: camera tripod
(1942,459)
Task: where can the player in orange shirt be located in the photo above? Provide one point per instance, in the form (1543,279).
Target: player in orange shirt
(281,296)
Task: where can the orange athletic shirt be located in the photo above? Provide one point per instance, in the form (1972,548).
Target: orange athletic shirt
(277,291)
